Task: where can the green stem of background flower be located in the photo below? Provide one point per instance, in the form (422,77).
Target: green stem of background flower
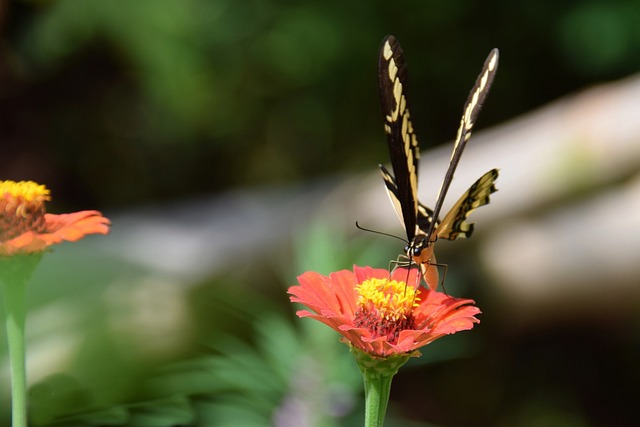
(15,314)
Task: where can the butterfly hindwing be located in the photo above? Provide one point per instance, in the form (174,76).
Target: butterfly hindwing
(425,218)
(454,224)
(424,214)
(401,138)
(392,192)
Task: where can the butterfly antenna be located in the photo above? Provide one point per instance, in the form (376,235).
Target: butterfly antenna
(359,227)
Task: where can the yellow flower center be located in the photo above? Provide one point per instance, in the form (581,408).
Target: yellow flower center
(21,208)
(385,307)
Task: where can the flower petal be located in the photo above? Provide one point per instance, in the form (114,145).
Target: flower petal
(26,242)
(333,300)
(331,295)
(410,276)
(364,273)
(69,227)
(75,226)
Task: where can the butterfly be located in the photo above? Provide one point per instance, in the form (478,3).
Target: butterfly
(422,225)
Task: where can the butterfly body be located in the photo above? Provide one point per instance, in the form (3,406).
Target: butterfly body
(422,225)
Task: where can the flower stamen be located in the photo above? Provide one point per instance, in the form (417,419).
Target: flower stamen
(22,208)
(385,307)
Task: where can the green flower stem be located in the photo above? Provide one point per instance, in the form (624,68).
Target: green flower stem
(376,392)
(378,373)
(15,314)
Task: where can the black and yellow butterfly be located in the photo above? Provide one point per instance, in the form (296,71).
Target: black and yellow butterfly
(422,225)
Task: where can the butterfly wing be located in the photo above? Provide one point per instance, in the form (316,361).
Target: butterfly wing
(470,114)
(401,139)
(392,192)
(424,214)
(425,218)
(455,223)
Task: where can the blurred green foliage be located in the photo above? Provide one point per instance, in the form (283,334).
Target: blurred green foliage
(121,102)
(244,361)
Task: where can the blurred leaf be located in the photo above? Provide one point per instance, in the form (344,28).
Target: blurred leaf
(601,36)
(167,412)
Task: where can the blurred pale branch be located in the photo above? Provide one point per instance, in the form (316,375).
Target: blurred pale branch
(565,183)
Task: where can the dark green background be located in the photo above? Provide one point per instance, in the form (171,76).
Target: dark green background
(117,103)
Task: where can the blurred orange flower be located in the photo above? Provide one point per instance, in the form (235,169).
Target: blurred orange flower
(380,313)
(26,228)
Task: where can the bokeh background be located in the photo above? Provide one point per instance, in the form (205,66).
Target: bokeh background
(234,144)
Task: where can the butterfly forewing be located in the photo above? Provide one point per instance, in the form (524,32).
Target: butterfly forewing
(470,114)
(401,138)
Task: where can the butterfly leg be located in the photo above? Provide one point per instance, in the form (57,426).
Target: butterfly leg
(401,261)
(444,276)
(404,261)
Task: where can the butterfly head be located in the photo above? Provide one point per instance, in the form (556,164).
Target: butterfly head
(420,249)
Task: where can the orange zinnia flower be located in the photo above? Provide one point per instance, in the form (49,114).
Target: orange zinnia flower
(26,228)
(379,313)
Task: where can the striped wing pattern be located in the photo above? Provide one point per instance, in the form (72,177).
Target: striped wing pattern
(455,223)
(401,138)
(421,224)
